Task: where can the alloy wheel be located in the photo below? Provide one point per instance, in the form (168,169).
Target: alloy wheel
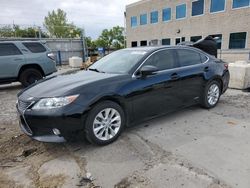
(213,94)
(107,124)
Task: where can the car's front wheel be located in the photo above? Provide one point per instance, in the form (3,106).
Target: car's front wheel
(104,123)
(211,94)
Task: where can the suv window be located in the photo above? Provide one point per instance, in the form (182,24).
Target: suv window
(8,49)
(163,60)
(188,57)
(35,47)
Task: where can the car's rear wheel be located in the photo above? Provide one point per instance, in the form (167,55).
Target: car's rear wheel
(211,94)
(30,76)
(104,123)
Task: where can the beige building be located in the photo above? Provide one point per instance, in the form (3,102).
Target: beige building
(168,22)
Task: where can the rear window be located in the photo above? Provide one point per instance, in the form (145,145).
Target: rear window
(8,49)
(34,47)
(188,57)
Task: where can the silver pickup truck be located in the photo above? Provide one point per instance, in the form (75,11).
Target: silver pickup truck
(25,61)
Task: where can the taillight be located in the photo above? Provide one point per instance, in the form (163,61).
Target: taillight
(51,56)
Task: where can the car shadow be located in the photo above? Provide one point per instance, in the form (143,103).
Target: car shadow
(11,87)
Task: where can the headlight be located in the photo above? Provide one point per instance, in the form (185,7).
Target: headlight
(57,102)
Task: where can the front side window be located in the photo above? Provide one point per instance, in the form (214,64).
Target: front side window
(237,40)
(163,60)
(154,17)
(119,62)
(188,57)
(181,11)
(197,7)
(143,19)
(133,21)
(166,14)
(34,47)
(8,49)
(241,3)
(217,5)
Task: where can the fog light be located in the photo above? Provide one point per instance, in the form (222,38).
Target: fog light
(56,132)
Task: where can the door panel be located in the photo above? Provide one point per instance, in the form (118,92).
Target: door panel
(10,60)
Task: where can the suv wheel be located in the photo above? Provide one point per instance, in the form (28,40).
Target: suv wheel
(211,94)
(104,123)
(29,76)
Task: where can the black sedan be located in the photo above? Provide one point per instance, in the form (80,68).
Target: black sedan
(121,89)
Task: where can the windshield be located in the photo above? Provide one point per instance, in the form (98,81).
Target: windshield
(121,61)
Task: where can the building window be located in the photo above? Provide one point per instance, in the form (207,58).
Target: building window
(143,19)
(197,7)
(181,11)
(153,42)
(217,5)
(195,38)
(154,17)
(143,43)
(166,41)
(133,21)
(179,40)
(241,3)
(166,14)
(237,40)
(218,39)
(134,44)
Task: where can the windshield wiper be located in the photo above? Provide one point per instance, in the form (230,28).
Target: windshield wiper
(96,70)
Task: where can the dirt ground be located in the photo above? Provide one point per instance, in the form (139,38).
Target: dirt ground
(191,148)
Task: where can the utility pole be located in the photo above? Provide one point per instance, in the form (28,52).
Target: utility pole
(39,31)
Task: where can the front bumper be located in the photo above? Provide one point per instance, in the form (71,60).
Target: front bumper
(39,125)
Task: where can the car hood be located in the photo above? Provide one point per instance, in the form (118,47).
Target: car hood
(65,84)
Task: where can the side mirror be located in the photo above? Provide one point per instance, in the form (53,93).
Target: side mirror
(148,70)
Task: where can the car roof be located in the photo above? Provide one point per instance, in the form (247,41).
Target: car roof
(155,48)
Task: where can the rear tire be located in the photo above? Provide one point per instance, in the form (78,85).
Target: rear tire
(30,76)
(105,122)
(211,95)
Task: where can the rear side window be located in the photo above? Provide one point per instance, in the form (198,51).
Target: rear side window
(163,60)
(8,49)
(34,47)
(189,57)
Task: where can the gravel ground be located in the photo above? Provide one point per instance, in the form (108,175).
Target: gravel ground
(190,148)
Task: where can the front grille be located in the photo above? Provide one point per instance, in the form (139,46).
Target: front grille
(23,105)
(24,126)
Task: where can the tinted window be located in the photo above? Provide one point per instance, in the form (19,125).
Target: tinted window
(35,47)
(134,44)
(217,5)
(166,41)
(143,43)
(181,11)
(163,60)
(143,19)
(188,57)
(8,49)
(166,14)
(237,40)
(154,17)
(241,3)
(133,21)
(197,7)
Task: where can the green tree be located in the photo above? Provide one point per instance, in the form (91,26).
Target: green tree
(90,43)
(57,25)
(6,31)
(112,38)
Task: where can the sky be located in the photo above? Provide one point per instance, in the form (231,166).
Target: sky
(92,15)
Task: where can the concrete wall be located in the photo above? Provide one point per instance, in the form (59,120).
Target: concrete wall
(226,22)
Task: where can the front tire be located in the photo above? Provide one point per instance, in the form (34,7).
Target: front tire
(104,123)
(211,95)
(30,76)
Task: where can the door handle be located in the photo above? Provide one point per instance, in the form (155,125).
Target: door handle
(175,76)
(206,69)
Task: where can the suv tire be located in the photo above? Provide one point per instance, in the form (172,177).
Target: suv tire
(30,76)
